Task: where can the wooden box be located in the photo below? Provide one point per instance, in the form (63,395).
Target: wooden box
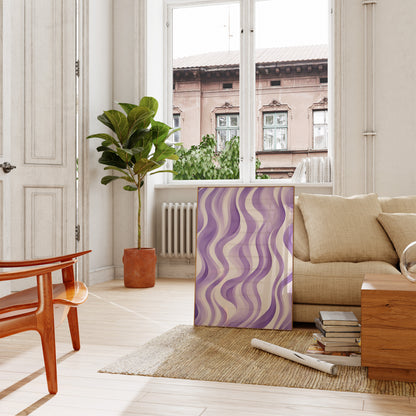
(388,333)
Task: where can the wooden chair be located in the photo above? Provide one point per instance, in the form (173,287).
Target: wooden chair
(44,306)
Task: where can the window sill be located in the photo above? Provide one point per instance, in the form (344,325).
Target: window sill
(260,182)
(286,151)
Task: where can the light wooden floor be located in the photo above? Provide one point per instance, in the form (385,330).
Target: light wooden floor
(113,322)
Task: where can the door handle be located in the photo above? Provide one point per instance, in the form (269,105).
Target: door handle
(7,167)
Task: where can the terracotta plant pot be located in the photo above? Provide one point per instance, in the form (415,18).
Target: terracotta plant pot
(139,267)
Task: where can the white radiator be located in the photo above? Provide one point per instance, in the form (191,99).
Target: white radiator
(178,229)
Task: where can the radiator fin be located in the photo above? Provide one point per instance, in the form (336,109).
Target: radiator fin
(178,229)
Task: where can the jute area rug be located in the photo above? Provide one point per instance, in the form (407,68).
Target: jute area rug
(225,355)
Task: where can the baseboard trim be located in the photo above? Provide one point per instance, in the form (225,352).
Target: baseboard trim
(118,272)
(175,270)
(103,274)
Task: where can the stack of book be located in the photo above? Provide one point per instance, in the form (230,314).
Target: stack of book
(339,338)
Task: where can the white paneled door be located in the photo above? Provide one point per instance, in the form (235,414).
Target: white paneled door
(38,133)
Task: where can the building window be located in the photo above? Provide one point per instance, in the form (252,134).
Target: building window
(176,123)
(227,128)
(320,129)
(275,130)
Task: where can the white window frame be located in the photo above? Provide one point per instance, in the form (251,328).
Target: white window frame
(228,128)
(275,127)
(324,125)
(248,112)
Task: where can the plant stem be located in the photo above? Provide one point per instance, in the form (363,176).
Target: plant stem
(139,225)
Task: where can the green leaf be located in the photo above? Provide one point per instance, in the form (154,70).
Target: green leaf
(125,154)
(112,159)
(160,131)
(130,188)
(136,139)
(161,171)
(128,179)
(119,123)
(174,131)
(164,151)
(107,179)
(109,143)
(139,118)
(173,157)
(103,136)
(105,148)
(147,147)
(143,166)
(127,107)
(123,171)
(149,102)
(104,119)
(136,151)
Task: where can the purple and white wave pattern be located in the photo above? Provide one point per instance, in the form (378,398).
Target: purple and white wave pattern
(244,257)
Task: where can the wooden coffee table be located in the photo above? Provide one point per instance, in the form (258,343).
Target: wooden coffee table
(388,327)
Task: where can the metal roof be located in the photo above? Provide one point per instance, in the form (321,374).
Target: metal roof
(263,56)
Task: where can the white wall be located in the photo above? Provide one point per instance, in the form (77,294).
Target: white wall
(100,97)
(394,75)
(125,90)
(395,97)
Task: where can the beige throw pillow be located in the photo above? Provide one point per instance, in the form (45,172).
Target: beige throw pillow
(300,237)
(345,229)
(401,228)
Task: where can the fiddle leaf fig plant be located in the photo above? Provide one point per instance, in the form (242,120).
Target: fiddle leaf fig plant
(138,146)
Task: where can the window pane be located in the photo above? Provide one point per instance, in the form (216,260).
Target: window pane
(206,56)
(268,140)
(281,119)
(233,121)
(221,139)
(320,137)
(281,137)
(176,137)
(291,48)
(222,121)
(175,121)
(320,129)
(268,119)
(319,117)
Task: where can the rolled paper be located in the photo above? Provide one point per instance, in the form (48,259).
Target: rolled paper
(295,356)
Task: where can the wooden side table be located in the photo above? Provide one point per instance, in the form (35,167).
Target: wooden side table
(388,327)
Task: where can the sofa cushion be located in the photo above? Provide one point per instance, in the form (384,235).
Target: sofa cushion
(300,237)
(401,228)
(336,283)
(398,204)
(345,229)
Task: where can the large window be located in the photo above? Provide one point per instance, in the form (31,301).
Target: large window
(279,67)
(320,129)
(227,128)
(275,130)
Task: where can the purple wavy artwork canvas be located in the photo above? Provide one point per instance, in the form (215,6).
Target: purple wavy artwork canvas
(244,257)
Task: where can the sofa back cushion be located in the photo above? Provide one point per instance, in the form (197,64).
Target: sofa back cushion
(345,229)
(300,237)
(405,204)
(401,228)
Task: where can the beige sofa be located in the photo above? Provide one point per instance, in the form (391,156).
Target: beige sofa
(338,240)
